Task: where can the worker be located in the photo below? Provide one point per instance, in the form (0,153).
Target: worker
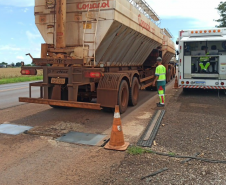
(204,60)
(160,73)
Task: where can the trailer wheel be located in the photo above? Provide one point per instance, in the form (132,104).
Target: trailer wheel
(123,96)
(169,75)
(59,107)
(134,92)
(108,109)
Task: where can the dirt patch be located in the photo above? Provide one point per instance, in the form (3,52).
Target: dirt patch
(133,168)
(194,122)
(56,130)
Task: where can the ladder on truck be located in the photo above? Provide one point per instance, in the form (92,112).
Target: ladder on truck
(86,25)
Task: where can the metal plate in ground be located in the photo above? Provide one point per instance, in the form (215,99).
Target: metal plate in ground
(82,138)
(12,129)
(151,130)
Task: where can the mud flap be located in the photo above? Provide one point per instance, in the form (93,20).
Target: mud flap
(107,91)
(56,93)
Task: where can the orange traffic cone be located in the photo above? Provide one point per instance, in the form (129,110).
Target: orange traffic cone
(117,139)
(176,83)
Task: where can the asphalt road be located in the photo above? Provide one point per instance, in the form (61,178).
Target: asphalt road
(35,160)
(10,93)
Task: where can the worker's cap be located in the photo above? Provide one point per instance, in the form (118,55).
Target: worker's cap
(159,59)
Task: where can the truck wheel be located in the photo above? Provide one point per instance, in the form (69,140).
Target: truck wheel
(123,96)
(169,75)
(108,109)
(59,107)
(134,92)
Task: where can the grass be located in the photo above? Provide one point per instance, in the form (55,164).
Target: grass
(20,79)
(135,150)
(12,75)
(172,154)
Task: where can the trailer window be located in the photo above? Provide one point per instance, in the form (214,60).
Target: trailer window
(198,48)
(216,47)
(190,46)
(204,56)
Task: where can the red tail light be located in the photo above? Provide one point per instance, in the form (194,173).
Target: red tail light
(93,74)
(25,72)
(28,72)
(180,77)
(187,82)
(222,83)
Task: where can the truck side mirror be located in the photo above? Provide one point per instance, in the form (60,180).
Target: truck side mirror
(178,52)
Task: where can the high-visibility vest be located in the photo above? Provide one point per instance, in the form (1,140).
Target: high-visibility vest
(161,72)
(206,58)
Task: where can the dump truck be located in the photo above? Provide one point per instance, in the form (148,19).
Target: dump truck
(202,58)
(97,54)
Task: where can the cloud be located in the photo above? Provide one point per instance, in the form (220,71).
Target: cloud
(201,10)
(8,9)
(9,48)
(21,3)
(20,23)
(32,36)
(25,10)
(20,57)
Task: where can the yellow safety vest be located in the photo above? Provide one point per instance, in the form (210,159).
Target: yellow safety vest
(206,58)
(161,73)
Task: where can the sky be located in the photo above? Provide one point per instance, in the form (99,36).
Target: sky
(19,35)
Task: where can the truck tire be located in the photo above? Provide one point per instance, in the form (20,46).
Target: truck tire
(123,96)
(108,109)
(59,107)
(169,75)
(134,92)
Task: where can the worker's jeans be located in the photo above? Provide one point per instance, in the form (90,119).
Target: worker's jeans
(201,64)
(161,92)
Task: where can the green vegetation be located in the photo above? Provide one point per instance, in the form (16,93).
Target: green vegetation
(221,10)
(20,79)
(172,154)
(135,150)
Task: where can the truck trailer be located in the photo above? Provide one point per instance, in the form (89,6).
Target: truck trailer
(202,58)
(97,54)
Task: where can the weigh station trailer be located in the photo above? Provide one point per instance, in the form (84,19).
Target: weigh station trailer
(202,59)
(97,54)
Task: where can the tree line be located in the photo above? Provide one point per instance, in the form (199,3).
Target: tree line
(222,12)
(17,64)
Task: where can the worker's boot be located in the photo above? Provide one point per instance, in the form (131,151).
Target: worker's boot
(160,105)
